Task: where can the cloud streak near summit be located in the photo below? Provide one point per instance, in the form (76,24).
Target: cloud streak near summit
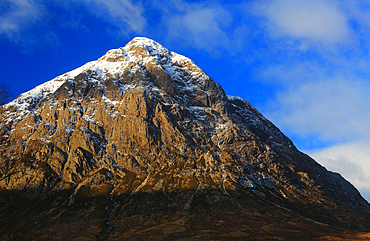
(304,64)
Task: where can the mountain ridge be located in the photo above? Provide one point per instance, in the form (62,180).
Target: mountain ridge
(142,120)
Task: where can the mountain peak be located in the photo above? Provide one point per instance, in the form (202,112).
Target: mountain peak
(138,47)
(142,119)
(146,43)
(141,59)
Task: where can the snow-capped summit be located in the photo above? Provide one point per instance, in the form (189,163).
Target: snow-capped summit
(138,52)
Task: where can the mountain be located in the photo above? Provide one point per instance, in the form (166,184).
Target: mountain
(141,143)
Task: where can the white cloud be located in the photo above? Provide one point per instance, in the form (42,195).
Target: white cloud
(336,109)
(329,105)
(122,13)
(358,10)
(315,20)
(18,17)
(351,160)
(17,14)
(203,26)
(291,73)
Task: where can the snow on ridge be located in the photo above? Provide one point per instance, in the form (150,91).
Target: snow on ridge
(230,97)
(149,44)
(189,66)
(113,62)
(155,49)
(29,99)
(249,106)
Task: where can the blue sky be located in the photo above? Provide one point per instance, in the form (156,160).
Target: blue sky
(304,64)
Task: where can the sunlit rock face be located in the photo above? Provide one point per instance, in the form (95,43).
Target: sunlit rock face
(142,119)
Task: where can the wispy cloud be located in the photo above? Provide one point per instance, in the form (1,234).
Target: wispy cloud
(199,24)
(358,13)
(124,14)
(351,160)
(19,17)
(207,27)
(321,102)
(336,109)
(320,76)
(16,15)
(316,21)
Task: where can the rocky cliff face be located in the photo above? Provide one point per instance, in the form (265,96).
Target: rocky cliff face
(142,119)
